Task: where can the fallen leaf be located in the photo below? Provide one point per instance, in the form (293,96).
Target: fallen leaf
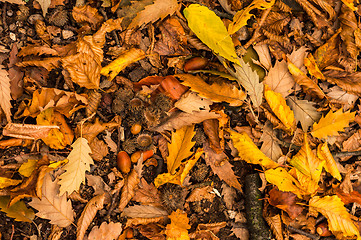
(18,210)
(27,131)
(87,14)
(275,224)
(44,5)
(286,201)
(106,231)
(147,194)
(128,190)
(5,97)
(312,67)
(279,79)
(98,184)
(264,56)
(15,74)
(178,228)
(89,130)
(27,168)
(144,212)
(190,102)
(348,99)
(324,154)
(211,129)
(270,146)
(99,149)
(200,194)
(6,182)
(20,2)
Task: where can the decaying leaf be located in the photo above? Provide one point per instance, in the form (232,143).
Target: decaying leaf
(27,131)
(144,212)
(53,206)
(286,201)
(89,212)
(18,210)
(5,97)
(190,102)
(106,231)
(333,122)
(210,29)
(87,14)
(217,92)
(128,190)
(178,228)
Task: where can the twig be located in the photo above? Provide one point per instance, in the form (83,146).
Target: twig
(12,232)
(306,234)
(346,154)
(4,16)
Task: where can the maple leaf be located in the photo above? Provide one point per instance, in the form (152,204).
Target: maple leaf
(106,231)
(279,79)
(333,122)
(241,17)
(249,79)
(88,214)
(323,153)
(79,162)
(339,220)
(217,92)
(5,97)
(151,13)
(178,228)
(190,102)
(210,29)
(52,206)
(280,108)
(180,147)
(304,111)
(270,146)
(18,210)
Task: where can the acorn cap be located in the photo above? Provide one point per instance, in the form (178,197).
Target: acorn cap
(144,140)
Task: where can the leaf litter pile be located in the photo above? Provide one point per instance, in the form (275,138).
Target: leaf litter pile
(171,119)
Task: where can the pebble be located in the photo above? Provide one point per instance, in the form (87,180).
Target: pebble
(13,36)
(67,34)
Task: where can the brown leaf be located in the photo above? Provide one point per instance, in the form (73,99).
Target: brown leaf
(5,93)
(200,194)
(352,197)
(152,230)
(27,131)
(348,81)
(221,167)
(87,14)
(210,127)
(99,149)
(14,142)
(88,214)
(353,143)
(42,32)
(37,50)
(286,201)
(172,87)
(106,231)
(47,63)
(141,211)
(98,184)
(15,74)
(147,194)
(128,190)
(328,53)
(90,130)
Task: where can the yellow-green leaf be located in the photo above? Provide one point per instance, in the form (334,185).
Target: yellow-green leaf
(210,29)
(241,17)
(323,152)
(18,210)
(249,152)
(180,147)
(7,182)
(217,92)
(28,167)
(332,123)
(280,109)
(339,220)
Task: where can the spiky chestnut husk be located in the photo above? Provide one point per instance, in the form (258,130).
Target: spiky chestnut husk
(124,94)
(59,17)
(200,173)
(135,105)
(151,118)
(199,137)
(130,145)
(163,103)
(172,197)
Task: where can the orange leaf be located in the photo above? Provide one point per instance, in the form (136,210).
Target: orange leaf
(178,228)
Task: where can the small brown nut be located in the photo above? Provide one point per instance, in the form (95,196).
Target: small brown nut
(136,128)
(322,230)
(195,63)
(123,162)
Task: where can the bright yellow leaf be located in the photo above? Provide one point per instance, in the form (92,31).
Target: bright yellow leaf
(217,92)
(307,162)
(339,220)
(7,182)
(180,147)
(308,185)
(284,181)
(349,3)
(280,109)
(312,67)
(249,152)
(323,153)
(241,17)
(332,123)
(178,228)
(28,167)
(131,56)
(166,178)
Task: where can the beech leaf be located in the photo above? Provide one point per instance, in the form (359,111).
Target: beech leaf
(190,102)
(270,146)
(323,153)
(130,185)
(18,210)
(5,97)
(210,29)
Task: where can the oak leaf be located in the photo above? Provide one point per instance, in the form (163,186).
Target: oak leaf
(190,102)
(339,220)
(304,111)
(5,97)
(249,152)
(142,211)
(241,17)
(178,228)
(151,13)
(79,163)
(106,231)
(18,210)
(217,92)
(323,153)
(53,206)
(88,214)
(333,122)
(180,147)
(210,29)
(280,108)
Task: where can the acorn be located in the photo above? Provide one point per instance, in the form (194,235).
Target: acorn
(322,230)
(136,128)
(195,63)
(146,154)
(123,162)
(144,140)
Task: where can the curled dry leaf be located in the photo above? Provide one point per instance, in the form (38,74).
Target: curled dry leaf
(128,190)
(87,14)
(47,63)
(106,231)
(88,214)
(27,131)
(211,129)
(286,201)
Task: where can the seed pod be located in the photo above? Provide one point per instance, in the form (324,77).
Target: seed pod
(136,128)
(144,140)
(146,154)
(195,64)
(123,162)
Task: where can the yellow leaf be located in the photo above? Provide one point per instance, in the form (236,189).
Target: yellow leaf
(323,152)
(28,167)
(284,181)
(18,210)
(189,164)
(241,17)
(7,182)
(307,162)
(249,152)
(210,29)
(180,147)
(308,185)
(332,123)
(178,228)
(166,178)
(79,162)
(217,92)
(349,3)
(131,56)
(312,67)
(280,109)
(339,220)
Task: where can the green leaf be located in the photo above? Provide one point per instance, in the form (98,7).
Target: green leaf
(210,29)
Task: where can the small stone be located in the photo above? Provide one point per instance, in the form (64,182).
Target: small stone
(33,18)
(13,36)
(67,34)
(10,13)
